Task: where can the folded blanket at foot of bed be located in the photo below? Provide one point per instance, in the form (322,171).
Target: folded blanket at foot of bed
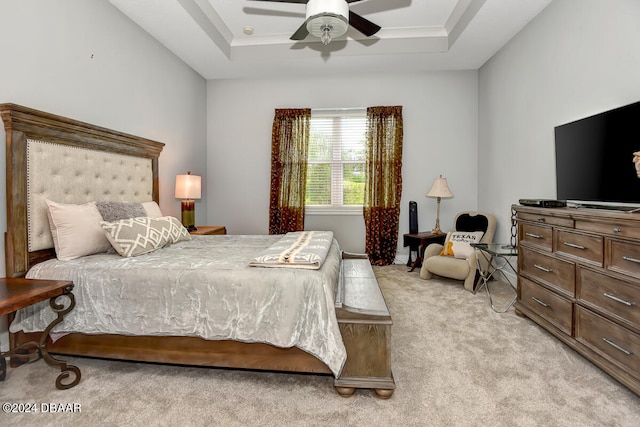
(297,249)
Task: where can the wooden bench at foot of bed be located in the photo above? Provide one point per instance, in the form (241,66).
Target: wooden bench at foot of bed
(365,325)
(363,317)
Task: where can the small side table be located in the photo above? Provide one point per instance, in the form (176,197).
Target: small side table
(419,242)
(497,259)
(17,293)
(203,230)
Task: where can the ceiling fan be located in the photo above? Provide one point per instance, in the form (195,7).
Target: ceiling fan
(328,19)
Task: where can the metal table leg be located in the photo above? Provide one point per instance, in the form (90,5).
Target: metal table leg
(25,350)
(495,265)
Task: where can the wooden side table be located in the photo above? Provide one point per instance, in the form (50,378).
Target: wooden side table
(419,241)
(17,293)
(209,229)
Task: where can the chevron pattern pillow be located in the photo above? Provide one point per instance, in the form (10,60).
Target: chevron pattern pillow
(141,235)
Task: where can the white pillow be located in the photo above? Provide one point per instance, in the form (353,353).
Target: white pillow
(152,208)
(76,230)
(458,243)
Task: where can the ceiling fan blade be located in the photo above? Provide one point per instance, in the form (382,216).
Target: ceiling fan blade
(371,7)
(301,33)
(286,1)
(363,25)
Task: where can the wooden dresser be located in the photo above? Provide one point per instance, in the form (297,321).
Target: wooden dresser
(579,278)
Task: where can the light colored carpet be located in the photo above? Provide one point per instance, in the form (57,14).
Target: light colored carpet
(455,362)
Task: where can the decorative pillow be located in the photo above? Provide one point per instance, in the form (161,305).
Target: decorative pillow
(458,243)
(137,236)
(76,230)
(115,211)
(152,209)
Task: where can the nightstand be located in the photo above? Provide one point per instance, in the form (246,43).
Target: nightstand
(418,242)
(203,230)
(17,293)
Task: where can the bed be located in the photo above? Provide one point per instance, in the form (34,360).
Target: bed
(119,166)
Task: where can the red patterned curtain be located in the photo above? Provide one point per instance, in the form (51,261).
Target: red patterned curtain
(383,186)
(289,147)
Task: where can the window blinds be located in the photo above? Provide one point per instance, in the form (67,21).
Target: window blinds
(335,171)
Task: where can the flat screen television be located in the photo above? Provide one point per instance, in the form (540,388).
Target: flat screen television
(594,159)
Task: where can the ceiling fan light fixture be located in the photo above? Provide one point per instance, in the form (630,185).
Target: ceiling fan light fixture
(327,19)
(326,34)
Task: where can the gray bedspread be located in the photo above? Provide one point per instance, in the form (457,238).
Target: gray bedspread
(203,287)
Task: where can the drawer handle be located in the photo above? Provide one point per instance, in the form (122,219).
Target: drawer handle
(617,347)
(617,230)
(540,302)
(615,298)
(541,219)
(539,267)
(535,236)
(628,258)
(573,245)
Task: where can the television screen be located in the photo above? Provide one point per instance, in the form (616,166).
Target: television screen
(594,158)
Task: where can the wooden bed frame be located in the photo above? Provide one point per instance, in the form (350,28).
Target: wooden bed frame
(364,320)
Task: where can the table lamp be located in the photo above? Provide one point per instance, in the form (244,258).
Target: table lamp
(187,189)
(439,190)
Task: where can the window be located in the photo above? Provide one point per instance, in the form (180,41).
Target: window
(336,161)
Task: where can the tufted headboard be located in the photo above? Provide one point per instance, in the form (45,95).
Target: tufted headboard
(67,161)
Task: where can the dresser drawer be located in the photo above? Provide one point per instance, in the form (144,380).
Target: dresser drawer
(621,228)
(545,219)
(586,247)
(549,305)
(617,298)
(540,236)
(556,273)
(612,341)
(624,257)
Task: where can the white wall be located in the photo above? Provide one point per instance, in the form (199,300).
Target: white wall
(85,60)
(440,137)
(575,59)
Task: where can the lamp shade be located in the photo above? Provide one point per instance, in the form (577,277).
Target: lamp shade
(188,186)
(440,189)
